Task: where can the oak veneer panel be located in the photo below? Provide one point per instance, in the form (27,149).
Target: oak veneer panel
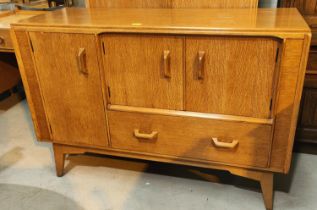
(134,67)
(237,75)
(171,3)
(289,87)
(269,22)
(73,100)
(191,137)
(31,85)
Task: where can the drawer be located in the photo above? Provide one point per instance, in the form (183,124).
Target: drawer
(231,142)
(5,40)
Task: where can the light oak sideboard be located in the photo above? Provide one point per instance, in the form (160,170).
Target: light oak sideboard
(213,88)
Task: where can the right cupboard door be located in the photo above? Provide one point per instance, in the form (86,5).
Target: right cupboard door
(230,75)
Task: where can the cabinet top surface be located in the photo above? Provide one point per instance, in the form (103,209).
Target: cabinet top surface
(262,20)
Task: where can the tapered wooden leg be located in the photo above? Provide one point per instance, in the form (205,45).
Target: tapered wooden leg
(59,159)
(266,182)
(265,179)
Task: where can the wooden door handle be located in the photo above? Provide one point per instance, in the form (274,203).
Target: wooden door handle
(149,136)
(229,145)
(167,64)
(81,61)
(201,63)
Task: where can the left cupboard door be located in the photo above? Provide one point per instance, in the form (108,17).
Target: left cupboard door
(69,77)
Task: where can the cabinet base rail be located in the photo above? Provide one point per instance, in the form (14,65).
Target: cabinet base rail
(264,177)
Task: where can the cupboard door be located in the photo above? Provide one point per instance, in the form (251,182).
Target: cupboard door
(69,77)
(144,70)
(230,75)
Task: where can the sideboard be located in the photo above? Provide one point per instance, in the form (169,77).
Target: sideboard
(213,88)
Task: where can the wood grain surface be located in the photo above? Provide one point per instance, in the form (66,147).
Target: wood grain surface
(23,51)
(68,93)
(289,90)
(238,75)
(134,66)
(171,3)
(192,137)
(274,22)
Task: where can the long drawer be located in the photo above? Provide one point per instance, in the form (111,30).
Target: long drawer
(5,40)
(231,142)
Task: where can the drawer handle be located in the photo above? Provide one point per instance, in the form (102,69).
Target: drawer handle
(229,145)
(152,135)
(201,63)
(81,61)
(167,64)
(1,40)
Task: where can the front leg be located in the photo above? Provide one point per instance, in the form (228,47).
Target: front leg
(266,182)
(265,179)
(59,156)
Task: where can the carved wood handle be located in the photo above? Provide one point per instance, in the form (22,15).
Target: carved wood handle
(201,62)
(229,145)
(149,136)
(81,61)
(167,64)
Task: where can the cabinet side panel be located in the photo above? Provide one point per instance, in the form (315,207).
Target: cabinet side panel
(290,85)
(23,53)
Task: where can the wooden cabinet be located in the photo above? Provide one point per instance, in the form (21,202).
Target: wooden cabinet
(309,116)
(230,75)
(304,6)
(144,70)
(161,85)
(307,122)
(69,75)
(312,61)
